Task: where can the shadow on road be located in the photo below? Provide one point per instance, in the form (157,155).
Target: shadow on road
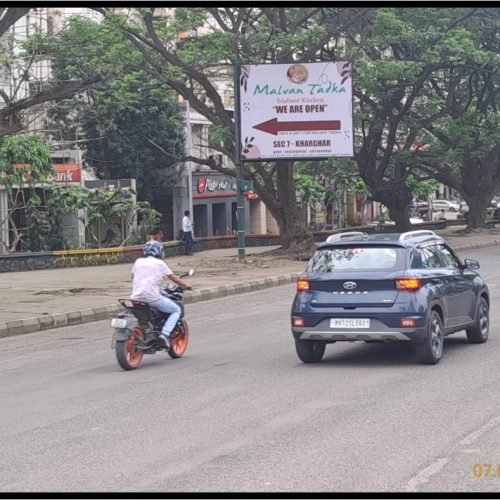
(383,355)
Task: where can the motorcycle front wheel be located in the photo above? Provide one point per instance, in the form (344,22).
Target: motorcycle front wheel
(179,341)
(128,354)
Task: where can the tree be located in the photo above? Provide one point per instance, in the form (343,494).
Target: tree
(463,139)
(339,179)
(16,102)
(130,120)
(95,207)
(24,164)
(194,52)
(407,81)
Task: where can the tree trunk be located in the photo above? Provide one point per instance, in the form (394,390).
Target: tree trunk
(476,215)
(397,200)
(392,193)
(479,184)
(295,235)
(400,214)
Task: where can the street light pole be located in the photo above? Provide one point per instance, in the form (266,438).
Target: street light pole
(190,163)
(240,199)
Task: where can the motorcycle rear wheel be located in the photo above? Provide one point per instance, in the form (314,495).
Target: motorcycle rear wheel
(179,341)
(128,355)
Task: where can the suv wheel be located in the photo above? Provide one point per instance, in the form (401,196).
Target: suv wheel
(430,350)
(478,333)
(310,351)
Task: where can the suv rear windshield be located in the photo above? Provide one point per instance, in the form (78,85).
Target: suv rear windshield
(362,258)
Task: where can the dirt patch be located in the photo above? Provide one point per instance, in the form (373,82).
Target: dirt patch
(233,264)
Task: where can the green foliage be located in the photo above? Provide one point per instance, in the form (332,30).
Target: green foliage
(92,207)
(24,162)
(339,176)
(425,77)
(310,190)
(421,188)
(130,120)
(421,76)
(27,151)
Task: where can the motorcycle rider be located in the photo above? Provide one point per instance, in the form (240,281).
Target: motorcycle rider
(148,273)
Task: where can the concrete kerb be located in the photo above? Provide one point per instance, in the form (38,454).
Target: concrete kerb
(31,325)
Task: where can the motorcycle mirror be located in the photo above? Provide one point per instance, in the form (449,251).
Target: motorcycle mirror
(191,272)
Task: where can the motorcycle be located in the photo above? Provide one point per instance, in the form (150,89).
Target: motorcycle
(138,327)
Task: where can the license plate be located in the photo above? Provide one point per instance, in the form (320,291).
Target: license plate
(118,322)
(349,323)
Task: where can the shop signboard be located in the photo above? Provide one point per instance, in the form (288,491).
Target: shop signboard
(67,173)
(64,173)
(213,186)
(295,111)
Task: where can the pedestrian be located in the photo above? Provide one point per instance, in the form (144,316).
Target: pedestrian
(187,228)
(440,216)
(148,273)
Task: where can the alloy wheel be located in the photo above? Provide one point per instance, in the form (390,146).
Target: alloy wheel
(483,319)
(436,337)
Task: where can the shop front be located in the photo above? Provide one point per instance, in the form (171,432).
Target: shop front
(214,205)
(214,213)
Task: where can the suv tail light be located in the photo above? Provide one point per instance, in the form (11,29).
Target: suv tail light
(297,321)
(408,284)
(407,322)
(302,285)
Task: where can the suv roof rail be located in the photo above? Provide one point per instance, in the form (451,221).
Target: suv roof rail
(349,234)
(419,232)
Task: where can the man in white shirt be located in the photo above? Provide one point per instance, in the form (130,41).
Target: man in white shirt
(187,228)
(148,273)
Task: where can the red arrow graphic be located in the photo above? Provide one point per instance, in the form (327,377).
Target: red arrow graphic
(273,126)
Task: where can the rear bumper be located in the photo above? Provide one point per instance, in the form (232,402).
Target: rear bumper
(377,331)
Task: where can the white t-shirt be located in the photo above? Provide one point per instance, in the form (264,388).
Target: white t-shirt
(148,274)
(186,224)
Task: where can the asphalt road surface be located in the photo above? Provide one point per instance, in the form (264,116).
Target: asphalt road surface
(240,412)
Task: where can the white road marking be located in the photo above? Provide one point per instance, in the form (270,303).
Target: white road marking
(425,475)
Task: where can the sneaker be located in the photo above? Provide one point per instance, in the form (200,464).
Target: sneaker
(166,341)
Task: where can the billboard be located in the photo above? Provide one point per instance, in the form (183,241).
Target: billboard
(295,111)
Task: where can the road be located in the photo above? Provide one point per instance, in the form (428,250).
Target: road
(240,412)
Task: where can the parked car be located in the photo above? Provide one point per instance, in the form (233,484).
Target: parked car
(388,222)
(446,205)
(419,206)
(461,203)
(388,287)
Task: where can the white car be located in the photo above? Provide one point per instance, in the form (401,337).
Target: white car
(388,222)
(446,205)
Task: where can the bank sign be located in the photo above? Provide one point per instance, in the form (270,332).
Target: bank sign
(295,111)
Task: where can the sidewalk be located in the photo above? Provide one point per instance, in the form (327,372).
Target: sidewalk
(38,300)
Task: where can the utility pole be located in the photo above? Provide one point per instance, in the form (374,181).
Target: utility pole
(240,199)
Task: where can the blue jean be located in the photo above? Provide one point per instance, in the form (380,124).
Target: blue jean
(167,306)
(188,241)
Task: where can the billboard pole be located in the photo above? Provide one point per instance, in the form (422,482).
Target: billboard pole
(240,199)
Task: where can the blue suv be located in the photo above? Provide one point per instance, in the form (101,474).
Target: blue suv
(385,288)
